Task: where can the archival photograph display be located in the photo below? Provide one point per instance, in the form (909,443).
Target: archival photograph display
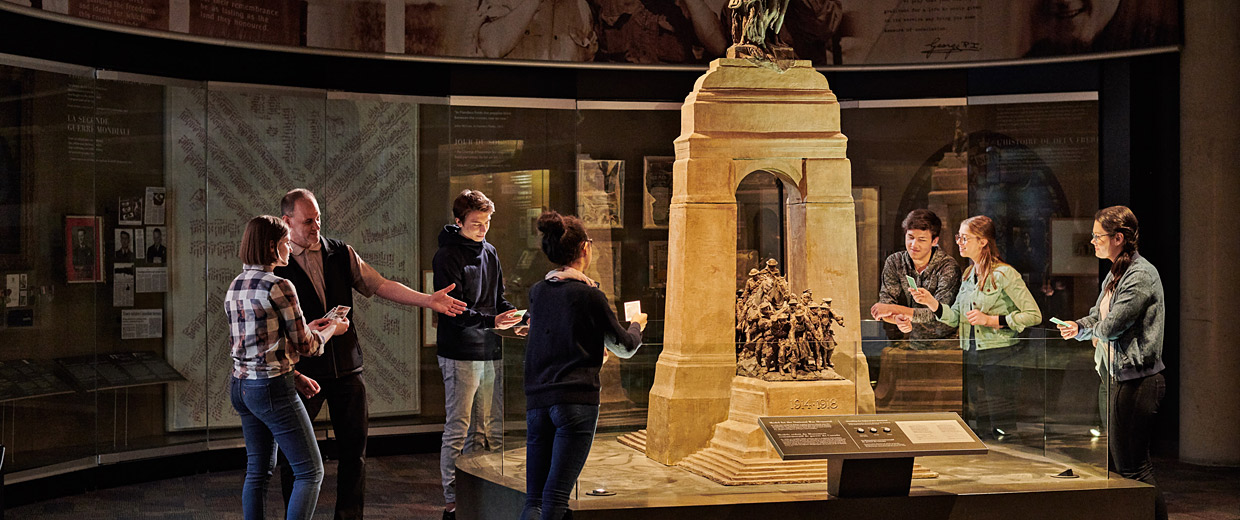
(84,249)
(142,323)
(605,268)
(600,193)
(122,284)
(126,245)
(129,210)
(657,191)
(154,205)
(157,251)
(658,263)
(151,279)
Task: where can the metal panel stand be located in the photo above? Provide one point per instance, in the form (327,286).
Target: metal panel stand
(865,478)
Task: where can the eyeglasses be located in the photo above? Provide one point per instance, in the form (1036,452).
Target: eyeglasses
(1093,237)
(963,239)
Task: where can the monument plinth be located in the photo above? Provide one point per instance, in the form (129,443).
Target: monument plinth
(739,452)
(744,116)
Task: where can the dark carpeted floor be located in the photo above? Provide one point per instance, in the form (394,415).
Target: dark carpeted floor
(407,487)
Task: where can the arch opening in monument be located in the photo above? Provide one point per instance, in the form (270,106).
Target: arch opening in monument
(761,217)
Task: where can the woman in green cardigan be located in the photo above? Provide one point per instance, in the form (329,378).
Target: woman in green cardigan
(992,307)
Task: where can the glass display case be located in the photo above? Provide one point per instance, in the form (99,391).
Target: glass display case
(1040,423)
(123,197)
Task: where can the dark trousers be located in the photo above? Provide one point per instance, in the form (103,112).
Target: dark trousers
(557,444)
(991,379)
(1133,405)
(346,400)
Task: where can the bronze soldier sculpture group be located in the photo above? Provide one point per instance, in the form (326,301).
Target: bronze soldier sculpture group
(781,336)
(755,26)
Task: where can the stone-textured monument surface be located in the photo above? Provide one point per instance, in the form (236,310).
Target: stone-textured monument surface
(745,116)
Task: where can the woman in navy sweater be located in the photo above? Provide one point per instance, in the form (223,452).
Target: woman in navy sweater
(571,322)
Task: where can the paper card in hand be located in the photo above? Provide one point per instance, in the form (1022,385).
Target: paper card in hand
(338,313)
(632,309)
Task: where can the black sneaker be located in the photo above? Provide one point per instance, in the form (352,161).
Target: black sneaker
(449,515)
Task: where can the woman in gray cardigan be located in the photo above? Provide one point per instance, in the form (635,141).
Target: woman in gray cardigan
(1126,328)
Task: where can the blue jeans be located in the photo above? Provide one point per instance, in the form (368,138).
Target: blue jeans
(556,446)
(272,416)
(474,412)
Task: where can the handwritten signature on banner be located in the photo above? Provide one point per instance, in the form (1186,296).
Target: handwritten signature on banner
(937,46)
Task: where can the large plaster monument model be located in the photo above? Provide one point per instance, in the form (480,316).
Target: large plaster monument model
(746,116)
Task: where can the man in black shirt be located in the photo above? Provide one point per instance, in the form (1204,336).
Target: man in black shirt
(325,273)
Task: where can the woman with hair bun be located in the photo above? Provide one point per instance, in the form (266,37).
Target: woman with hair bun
(1126,328)
(571,323)
(991,308)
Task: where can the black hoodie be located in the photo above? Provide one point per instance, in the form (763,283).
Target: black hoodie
(474,268)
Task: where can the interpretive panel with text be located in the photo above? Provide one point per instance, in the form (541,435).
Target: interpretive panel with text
(870,436)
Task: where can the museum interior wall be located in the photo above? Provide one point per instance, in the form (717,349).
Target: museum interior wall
(130,162)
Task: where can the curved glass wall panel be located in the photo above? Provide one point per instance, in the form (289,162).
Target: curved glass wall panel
(124,198)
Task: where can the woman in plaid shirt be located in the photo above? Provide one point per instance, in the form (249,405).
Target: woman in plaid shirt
(268,335)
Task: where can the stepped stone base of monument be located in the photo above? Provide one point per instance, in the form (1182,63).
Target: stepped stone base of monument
(739,452)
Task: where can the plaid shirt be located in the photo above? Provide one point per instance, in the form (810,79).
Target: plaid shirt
(941,277)
(267,330)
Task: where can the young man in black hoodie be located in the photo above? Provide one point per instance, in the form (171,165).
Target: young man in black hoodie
(469,355)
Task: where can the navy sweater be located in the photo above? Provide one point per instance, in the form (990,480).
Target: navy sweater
(474,268)
(570,322)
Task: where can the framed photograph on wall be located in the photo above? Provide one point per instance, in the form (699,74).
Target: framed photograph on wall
(605,267)
(126,241)
(600,195)
(430,318)
(658,263)
(83,249)
(129,210)
(157,251)
(657,188)
(1071,252)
